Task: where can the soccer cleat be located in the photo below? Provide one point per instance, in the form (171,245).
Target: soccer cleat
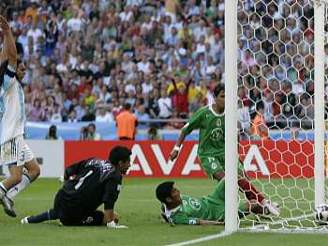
(271,208)
(7,205)
(24,220)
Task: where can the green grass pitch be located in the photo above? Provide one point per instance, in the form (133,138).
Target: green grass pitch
(139,210)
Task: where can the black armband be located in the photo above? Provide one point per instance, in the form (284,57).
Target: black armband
(10,71)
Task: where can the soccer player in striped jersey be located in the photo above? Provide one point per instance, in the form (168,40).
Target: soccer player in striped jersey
(210,122)
(14,152)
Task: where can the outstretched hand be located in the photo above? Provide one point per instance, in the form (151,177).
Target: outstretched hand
(114,225)
(4,25)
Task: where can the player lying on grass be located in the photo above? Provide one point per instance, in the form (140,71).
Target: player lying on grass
(208,210)
(88,184)
(14,152)
(210,122)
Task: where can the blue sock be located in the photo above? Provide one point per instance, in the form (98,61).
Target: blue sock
(48,215)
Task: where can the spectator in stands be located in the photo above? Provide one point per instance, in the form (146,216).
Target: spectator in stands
(244,121)
(84,133)
(142,117)
(80,52)
(180,96)
(72,117)
(153,133)
(92,133)
(89,115)
(52,133)
(305,111)
(104,115)
(165,105)
(259,128)
(56,116)
(153,107)
(36,113)
(126,124)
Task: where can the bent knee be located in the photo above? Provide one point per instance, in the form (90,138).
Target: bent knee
(35,172)
(16,178)
(33,169)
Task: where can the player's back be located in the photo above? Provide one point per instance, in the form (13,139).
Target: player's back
(86,191)
(12,110)
(192,206)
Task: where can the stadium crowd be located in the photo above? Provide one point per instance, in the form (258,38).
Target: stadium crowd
(86,59)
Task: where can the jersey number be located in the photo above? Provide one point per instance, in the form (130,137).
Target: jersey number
(81,180)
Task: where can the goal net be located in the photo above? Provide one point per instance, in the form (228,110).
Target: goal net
(281,109)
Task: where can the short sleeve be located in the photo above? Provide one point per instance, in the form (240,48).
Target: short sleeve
(8,78)
(194,122)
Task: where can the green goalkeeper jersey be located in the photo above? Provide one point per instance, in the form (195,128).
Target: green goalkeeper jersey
(211,131)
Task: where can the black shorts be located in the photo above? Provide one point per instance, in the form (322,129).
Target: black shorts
(76,216)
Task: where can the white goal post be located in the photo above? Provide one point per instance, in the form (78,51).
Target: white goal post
(231,145)
(232,222)
(319,98)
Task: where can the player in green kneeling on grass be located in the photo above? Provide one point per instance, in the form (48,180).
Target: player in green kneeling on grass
(210,120)
(207,210)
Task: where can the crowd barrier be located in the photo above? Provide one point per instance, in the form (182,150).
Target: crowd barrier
(71,131)
(107,131)
(261,159)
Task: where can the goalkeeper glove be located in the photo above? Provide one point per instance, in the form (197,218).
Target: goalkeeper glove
(114,225)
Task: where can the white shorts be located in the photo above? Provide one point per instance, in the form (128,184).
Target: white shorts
(15,151)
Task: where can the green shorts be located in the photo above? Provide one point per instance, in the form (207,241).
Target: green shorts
(212,165)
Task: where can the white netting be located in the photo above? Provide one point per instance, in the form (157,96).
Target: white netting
(276,94)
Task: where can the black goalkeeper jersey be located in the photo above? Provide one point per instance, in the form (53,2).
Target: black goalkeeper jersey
(88,184)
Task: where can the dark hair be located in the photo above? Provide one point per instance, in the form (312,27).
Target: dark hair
(92,125)
(3,69)
(52,133)
(53,128)
(152,130)
(119,153)
(164,190)
(259,105)
(127,106)
(218,89)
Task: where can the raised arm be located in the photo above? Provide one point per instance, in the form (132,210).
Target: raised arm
(9,46)
(188,84)
(173,81)
(195,122)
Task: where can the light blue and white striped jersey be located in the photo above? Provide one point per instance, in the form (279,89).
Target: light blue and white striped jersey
(12,108)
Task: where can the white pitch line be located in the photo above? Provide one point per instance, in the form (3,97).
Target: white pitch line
(202,239)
